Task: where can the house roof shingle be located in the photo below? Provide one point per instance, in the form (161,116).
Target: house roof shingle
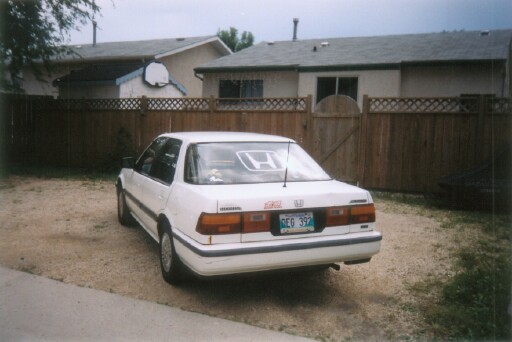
(378,51)
(144,49)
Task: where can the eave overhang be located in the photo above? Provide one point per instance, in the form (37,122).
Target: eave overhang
(342,67)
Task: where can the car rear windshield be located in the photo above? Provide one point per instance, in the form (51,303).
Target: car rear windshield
(250,162)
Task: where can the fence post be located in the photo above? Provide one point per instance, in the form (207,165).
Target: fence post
(143,105)
(4,134)
(363,128)
(309,129)
(479,147)
(211,104)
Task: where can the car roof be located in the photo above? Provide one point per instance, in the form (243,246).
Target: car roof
(201,137)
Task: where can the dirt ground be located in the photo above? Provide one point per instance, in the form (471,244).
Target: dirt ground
(68,230)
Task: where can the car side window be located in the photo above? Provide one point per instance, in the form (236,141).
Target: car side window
(164,166)
(146,160)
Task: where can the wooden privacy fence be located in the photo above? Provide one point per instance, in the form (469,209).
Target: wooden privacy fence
(89,133)
(408,143)
(402,144)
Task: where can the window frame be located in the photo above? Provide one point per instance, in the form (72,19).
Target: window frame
(161,161)
(257,86)
(155,151)
(142,165)
(194,171)
(337,90)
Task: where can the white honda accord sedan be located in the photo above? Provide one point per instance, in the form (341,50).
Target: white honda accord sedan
(221,203)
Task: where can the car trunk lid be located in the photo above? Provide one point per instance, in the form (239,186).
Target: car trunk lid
(301,201)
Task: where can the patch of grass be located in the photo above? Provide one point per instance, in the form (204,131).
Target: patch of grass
(408,307)
(5,184)
(100,226)
(61,279)
(401,198)
(31,269)
(473,304)
(401,203)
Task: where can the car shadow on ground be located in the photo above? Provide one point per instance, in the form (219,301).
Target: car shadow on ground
(305,288)
(284,288)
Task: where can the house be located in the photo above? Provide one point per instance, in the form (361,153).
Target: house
(413,65)
(120,80)
(117,69)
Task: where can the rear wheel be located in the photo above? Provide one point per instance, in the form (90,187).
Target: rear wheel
(170,263)
(123,213)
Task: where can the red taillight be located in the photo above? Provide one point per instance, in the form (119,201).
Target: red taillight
(341,216)
(216,224)
(256,222)
(362,214)
(337,216)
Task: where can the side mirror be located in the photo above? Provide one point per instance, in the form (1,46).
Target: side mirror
(128,162)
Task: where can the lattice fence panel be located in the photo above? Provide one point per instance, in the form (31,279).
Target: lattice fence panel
(113,104)
(263,104)
(184,104)
(179,104)
(423,105)
(99,104)
(499,106)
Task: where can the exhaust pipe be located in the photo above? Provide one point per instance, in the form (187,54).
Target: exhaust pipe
(335,267)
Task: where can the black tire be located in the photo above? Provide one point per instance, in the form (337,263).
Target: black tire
(123,213)
(170,263)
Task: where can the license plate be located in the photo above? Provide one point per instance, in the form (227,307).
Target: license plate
(296,222)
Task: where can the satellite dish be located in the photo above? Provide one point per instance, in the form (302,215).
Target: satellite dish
(156,74)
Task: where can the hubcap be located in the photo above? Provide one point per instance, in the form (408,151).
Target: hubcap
(166,252)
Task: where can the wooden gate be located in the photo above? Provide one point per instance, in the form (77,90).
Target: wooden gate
(336,127)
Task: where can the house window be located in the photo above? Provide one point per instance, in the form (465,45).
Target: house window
(327,86)
(236,89)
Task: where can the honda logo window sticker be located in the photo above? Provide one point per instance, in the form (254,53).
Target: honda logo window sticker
(260,160)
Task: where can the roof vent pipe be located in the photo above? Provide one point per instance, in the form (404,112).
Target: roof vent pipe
(295,23)
(94,26)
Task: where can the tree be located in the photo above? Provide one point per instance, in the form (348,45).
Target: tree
(32,32)
(231,39)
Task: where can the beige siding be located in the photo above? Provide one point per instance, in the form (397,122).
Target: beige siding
(137,88)
(129,89)
(34,87)
(434,81)
(181,66)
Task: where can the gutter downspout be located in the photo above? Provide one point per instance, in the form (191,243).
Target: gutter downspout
(199,77)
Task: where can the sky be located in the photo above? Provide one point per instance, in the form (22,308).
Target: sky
(272,20)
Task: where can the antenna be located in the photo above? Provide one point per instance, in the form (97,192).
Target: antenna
(286,171)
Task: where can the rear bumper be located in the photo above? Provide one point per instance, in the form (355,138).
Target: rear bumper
(223,259)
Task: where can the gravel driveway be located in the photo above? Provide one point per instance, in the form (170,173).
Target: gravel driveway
(68,230)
